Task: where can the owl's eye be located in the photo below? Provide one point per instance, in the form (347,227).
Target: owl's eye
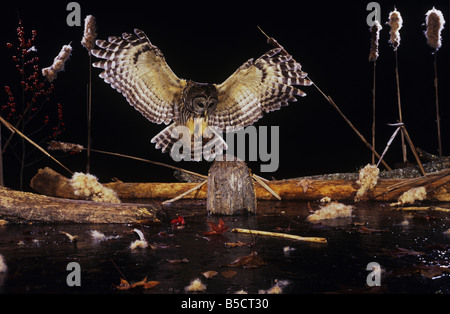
(212,103)
(200,102)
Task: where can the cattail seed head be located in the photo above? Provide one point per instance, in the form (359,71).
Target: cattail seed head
(375,30)
(58,63)
(90,34)
(434,20)
(396,23)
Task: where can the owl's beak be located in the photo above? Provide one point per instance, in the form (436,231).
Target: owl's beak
(205,112)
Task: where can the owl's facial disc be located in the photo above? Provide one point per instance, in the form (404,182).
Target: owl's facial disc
(204,106)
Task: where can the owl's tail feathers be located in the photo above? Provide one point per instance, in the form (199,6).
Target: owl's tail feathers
(164,139)
(208,147)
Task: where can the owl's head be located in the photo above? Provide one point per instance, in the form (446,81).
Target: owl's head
(200,98)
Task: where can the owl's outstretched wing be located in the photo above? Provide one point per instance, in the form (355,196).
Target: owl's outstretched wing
(256,87)
(138,70)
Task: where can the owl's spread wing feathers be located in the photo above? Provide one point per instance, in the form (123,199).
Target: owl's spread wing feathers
(256,87)
(138,70)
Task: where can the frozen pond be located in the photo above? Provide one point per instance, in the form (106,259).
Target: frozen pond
(412,248)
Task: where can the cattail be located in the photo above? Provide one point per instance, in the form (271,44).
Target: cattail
(88,42)
(373,56)
(58,63)
(435,24)
(375,31)
(90,34)
(65,147)
(434,20)
(395,22)
(368,178)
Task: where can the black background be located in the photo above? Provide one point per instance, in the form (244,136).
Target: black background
(207,42)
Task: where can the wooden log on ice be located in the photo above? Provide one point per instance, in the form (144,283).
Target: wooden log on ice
(437,185)
(17,207)
(230,189)
(51,183)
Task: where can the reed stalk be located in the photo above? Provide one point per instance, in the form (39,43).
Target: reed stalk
(185,193)
(89,118)
(25,138)
(400,115)
(274,43)
(2,183)
(373,56)
(76,148)
(88,41)
(396,23)
(374,109)
(434,21)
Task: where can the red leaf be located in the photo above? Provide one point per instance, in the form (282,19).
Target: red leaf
(177,221)
(216,229)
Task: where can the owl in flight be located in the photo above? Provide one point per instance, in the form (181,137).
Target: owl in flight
(137,69)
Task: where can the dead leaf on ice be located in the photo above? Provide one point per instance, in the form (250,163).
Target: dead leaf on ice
(143,284)
(209,274)
(228,274)
(123,285)
(72,238)
(178,261)
(249,261)
(216,229)
(237,244)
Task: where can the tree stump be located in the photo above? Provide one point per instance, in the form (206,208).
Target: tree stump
(230,189)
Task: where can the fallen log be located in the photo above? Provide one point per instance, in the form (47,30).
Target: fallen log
(437,185)
(19,207)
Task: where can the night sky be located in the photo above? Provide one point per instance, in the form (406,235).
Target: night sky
(207,42)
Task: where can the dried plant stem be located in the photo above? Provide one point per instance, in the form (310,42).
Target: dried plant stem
(24,137)
(264,185)
(185,193)
(373,109)
(389,144)
(442,209)
(274,43)
(89,118)
(413,149)
(401,126)
(438,118)
(148,161)
(282,235)
(328,98)
(123,276)
(2,183)
(397,78)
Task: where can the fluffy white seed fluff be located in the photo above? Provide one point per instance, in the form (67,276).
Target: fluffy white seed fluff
(3,267)
(88,187)
(58,63)
(434,20)
(195,286)
(331,211)
(396,23)
(368,178)
(412,195)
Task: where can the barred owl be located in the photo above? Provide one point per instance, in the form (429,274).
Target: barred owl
(136,68)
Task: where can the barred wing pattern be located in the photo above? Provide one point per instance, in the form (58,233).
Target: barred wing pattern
(138,70)
(256,87)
